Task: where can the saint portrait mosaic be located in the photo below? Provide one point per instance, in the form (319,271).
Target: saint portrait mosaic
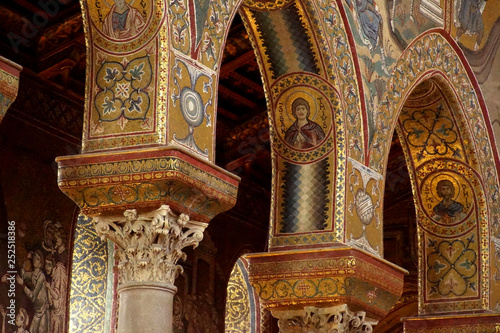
(303,118)
(121,20)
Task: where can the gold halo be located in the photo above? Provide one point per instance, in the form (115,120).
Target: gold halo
(301,94)
(434,181)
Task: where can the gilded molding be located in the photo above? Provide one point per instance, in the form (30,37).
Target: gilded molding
(150,244)
(328,277)
(478,322)
(9,84)
(266,5)
(147,179)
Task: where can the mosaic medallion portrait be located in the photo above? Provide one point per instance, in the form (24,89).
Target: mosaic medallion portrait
(303,118)
(448,198)
(120,19)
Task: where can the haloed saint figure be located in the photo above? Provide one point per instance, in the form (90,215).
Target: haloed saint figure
(304,133)
(123,21)
(447,211)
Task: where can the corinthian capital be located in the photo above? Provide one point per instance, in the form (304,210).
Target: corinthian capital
(150,244)
(335,319)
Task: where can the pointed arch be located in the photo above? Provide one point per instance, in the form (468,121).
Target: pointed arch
(433,99)
(432,52)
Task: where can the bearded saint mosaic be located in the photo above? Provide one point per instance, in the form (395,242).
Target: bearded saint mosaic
(448,210)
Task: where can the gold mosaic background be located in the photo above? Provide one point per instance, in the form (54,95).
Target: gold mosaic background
(91,293)
(449,199)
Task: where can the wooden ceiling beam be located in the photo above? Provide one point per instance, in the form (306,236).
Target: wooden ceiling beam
(245,81)
(222,111)
(237,97)
(246,58)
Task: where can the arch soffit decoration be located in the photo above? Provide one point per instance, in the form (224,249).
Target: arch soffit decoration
(435,56)
(452,67)
(420,61)
(433,106)
(423,49)
(327,27)
(333,45)
(417,63)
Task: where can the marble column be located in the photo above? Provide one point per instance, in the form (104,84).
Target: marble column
(9,84)
(146,173)
(149,246)
(122,192)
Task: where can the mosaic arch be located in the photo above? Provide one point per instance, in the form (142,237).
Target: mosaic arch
(322,55)
(305,46)
(435,103)
(243,309)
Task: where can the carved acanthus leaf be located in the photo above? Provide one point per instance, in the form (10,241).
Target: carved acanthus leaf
(336,319)
(150,244)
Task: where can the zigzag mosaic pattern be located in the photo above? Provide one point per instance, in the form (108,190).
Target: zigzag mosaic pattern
(298,35)
(274,38)
(305,190)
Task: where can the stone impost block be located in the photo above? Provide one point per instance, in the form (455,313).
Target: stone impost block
(145,179)
(324,278)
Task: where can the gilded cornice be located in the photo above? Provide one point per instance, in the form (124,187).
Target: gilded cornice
(148,178)
(326,277)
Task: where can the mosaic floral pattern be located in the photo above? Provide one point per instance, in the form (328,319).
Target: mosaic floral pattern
(240,309)
(123,106)
(323,289)
(364,229)
(430,132)
(210,20)
(451,267)
(192,103)
(90,294)
(342,71)
(219,15)
(266,4)
(430,52)
(123,90)
(180,32)
(432,55)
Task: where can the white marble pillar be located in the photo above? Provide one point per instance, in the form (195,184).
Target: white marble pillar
(148,247)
